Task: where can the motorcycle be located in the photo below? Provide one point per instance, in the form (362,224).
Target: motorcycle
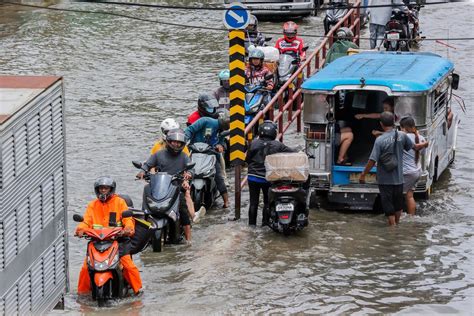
(203,187)
(338,9)
(103,262)
(256,98)
(161,204)
(414,33)
(289,203)
(396,35)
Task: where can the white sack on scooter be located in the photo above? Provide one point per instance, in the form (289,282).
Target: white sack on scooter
(287,167)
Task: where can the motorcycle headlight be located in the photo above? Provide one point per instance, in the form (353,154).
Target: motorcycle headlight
(101,266)
(113,261)
(155,206)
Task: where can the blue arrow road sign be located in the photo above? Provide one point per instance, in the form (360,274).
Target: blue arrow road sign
(236,16)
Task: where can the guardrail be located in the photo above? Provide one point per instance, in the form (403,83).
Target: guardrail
(313,63)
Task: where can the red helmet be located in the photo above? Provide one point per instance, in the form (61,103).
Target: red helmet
(290,30)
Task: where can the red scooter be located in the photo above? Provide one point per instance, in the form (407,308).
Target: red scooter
(105,272)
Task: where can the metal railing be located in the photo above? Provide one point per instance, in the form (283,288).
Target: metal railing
(292,92)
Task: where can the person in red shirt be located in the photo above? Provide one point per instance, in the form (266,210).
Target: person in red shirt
(207,107)
(290,43)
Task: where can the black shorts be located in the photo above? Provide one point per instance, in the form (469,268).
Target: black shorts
(391,197)
(183,211)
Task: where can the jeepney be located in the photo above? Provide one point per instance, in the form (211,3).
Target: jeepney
(421,85)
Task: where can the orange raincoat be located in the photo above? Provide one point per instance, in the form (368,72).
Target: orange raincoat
(97,213)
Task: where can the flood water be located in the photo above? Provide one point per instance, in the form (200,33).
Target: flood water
(123,76)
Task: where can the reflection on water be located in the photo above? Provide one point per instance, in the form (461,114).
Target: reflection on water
(123,77)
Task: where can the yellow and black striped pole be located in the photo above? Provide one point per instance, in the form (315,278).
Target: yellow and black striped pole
(237,110)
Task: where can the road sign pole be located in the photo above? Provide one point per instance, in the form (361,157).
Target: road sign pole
(237,111)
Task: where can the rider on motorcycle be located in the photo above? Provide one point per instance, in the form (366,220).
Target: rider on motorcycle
(290,43)
(343,42)
(207,107)
(222,93)
(256,71)
(208,130)
(252,35)
(98,213)
(264,145)
(173,160)
(165,126)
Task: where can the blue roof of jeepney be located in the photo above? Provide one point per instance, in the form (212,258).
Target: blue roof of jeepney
(401,72)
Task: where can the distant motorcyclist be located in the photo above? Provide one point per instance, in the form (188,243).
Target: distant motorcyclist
(207,107)
(343,43)
(173,160)
(208,130)
(290,43)
(256,71)
(264,145)
(103,211)
(222,93)
(252,35)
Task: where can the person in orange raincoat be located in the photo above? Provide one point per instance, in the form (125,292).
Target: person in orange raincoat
(98,213)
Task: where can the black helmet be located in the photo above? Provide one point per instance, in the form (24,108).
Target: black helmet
(267,130)
(224,120)
(104,182)
(252,27)
(176,135)
(207,105)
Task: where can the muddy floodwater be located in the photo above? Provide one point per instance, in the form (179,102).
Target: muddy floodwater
(123,76)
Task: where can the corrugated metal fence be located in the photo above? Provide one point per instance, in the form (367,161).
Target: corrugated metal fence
(33,237)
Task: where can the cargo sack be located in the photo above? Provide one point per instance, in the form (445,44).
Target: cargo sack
(141,237)
(287,167)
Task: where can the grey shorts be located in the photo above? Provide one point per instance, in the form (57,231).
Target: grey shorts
(409,181)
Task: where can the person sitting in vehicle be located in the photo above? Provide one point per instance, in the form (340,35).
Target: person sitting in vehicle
(252,35)
(343,43)
(107,208)
(173,160)
(290,43)
(388,106)
(256,72)
(222,93)
(207,107)
(264,145)
(208,130)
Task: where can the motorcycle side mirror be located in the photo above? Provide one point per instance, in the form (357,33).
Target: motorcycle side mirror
(137,164)
(225,133)
(455,81)
(77,218)
(126,214)
(305,48)
(267,39)
(190,165)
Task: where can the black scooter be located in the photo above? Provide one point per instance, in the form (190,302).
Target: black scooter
(338,9)
(161,204)
(288,202)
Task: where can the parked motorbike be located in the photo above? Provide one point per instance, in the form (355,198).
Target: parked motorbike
(203,187)
(161,204)
(105,272)
(338,9)
(396,34)
(414,33)
(289,202)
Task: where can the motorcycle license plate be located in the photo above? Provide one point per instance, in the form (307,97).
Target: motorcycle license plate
(284,207)
(411,26)
(393,36)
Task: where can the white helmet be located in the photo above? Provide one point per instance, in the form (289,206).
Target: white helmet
(167,125)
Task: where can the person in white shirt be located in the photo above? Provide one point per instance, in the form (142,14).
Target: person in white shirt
(379,16)
(411,162)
